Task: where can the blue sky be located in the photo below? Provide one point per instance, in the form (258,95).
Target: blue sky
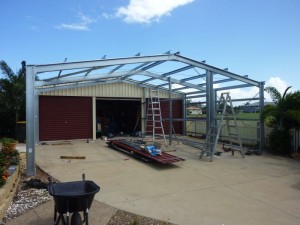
(260,38)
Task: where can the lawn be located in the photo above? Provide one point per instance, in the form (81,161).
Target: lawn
(239,116)
(248,116)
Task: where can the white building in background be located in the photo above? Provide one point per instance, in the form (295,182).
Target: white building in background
(193,110)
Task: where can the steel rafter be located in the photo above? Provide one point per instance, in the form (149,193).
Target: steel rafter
(174,81)
(170,73)
(214,70)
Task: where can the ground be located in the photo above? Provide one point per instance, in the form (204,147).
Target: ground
(27,198)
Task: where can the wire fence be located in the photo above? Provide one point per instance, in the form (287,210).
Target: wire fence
(249,131)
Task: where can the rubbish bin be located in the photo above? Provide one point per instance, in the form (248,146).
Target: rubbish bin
(21,131)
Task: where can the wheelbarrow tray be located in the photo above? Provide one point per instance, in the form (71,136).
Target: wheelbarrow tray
(73,196)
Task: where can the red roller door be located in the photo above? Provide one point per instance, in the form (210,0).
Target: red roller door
(177,113)
(64,118)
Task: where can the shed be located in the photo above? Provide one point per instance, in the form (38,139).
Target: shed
(64,99)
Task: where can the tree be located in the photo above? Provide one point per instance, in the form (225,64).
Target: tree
(12,98)
(282,116)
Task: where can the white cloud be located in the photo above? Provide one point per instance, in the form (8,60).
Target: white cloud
(276,82)
(279,84)
(73,26)
(82,25)
(107,16)
(253,92)
(148,11)
(86,19)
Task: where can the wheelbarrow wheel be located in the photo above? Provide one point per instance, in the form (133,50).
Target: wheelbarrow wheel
(76,219)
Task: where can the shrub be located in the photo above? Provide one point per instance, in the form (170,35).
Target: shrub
(8,156)
(280,141)
(8,142)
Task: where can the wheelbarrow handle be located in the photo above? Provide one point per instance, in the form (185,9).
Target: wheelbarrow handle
(50,185)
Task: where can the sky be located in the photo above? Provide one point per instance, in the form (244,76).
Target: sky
(258,38)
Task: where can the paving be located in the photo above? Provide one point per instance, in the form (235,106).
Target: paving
(230,190)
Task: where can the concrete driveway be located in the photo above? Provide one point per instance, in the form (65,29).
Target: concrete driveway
(231,190)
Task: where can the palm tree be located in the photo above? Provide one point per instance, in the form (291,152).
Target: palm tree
(282,116)
(274,113)
(285,113)
(12,97)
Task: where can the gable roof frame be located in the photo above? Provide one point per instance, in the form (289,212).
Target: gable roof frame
(88,73)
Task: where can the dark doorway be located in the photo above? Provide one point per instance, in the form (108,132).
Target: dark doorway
(118,116)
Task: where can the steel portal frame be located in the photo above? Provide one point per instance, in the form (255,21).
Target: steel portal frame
(138,70)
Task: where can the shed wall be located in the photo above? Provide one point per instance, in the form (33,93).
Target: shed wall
(123,90)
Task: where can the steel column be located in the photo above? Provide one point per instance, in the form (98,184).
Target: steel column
(94,118)
(36,118)
(170,112)
(143,111)
(262,123)
(210,105)
(30,120)
(184,106)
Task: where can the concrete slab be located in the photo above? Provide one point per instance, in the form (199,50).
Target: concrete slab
(231,190)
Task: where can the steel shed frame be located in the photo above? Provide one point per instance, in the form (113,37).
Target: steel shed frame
(137,70)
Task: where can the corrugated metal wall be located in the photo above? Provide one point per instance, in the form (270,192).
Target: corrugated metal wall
(176,113)
(111,90)
(123,90)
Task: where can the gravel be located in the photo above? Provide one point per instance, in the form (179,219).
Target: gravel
(27,198)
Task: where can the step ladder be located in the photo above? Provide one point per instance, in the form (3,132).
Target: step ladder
(154,125)
(228,119)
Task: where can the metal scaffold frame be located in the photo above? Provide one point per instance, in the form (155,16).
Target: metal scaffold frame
(178,75)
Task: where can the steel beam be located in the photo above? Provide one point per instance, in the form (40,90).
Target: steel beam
(116,68)
(99,63)
(194,77)
(197,96)
(213,69)
(233,87)
(85,78)
(174,81)
(170,73)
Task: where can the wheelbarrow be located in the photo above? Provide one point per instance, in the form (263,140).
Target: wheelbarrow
(72,198)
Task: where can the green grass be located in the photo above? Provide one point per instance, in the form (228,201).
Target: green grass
(248,116)
(239,116)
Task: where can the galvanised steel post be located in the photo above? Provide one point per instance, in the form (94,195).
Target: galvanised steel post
(30,120)
(262,123)
(210,107)
(170,112)
(184,106)
(36,117)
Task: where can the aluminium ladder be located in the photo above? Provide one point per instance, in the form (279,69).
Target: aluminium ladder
(228,119)
(154,124)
